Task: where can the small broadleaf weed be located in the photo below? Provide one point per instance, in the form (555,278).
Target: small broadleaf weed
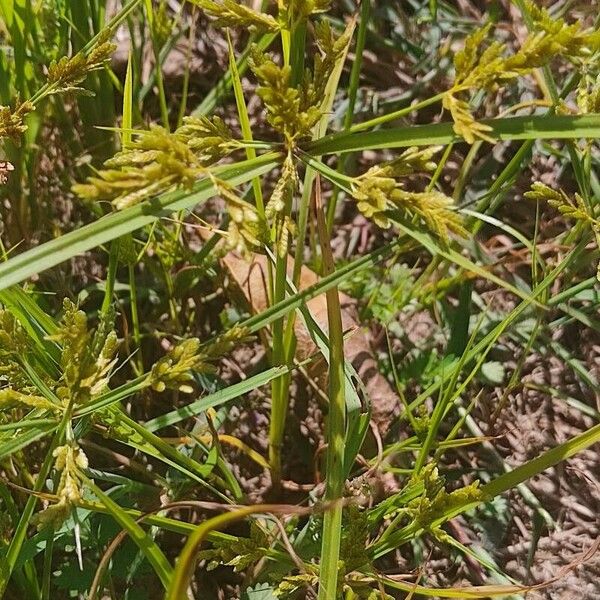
(240,553)
(292,585)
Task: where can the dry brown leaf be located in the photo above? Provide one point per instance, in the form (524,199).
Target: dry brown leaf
(250,278)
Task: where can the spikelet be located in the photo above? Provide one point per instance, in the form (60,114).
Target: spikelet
(435,210)
(465,124)
(481,67)
(294,10)
(467,59)
(226,342)
(239,554)
(575,208)
(373,194)
(157,160)
(294,111)
(87,358)
(331,48)
(292,585)
(70,460)
(209,139)
(283,102)
(12,122)
(436,500)
(162,24)
(378,192)
(572,41)
(412,160)
(10,397)
(231,13)
(286,185)
(67,73)
(588,94)
(284,229)
(246,231)
(176,370)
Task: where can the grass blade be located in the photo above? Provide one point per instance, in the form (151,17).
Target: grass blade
(514,128)
(143,541)
(336,425)
(117,224)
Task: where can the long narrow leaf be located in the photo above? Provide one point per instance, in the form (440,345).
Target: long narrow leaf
(125,221)
(514,128)
(143,541)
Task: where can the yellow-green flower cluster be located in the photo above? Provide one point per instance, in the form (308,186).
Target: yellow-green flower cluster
(157,160)
(70,460)
(246,230)
(288,109)
(436,501)
(87,358)
(66,74)
(176,369)
(293,111)
(379,194)
(575,208)
(12,121)
(230,13)
(482,66)
(10,397)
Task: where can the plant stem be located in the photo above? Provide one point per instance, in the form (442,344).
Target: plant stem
(336,426)
(245,125)
(279,387)
(397,114)
(365,13)
(135,321)
(162,98)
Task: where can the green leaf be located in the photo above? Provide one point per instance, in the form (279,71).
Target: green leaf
(127,124)
(22,440)
(216,399)
(514,128)
(143,540)
(125,221)
(493,372)
(133,434)
(261,591)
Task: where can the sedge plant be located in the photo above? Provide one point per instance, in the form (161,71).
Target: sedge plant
(116,419)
